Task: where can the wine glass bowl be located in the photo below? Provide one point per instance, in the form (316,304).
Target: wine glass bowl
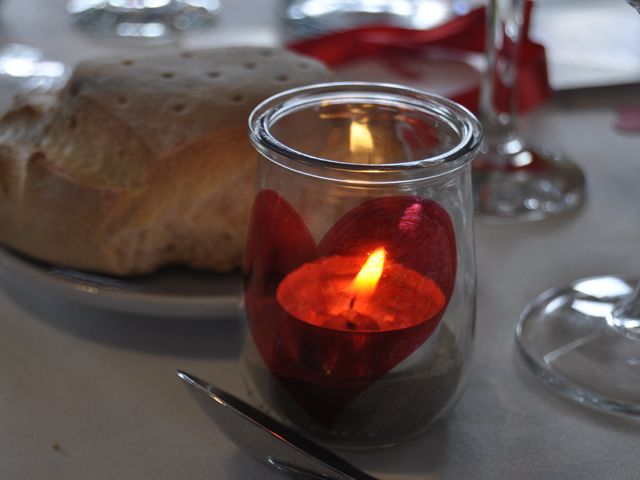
(142,18)
(314,18)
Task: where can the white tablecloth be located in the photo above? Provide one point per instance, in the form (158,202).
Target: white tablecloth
(89,394)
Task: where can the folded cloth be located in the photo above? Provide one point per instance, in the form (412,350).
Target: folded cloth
(465,33)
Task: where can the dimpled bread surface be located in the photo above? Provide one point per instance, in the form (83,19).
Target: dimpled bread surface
(141,162)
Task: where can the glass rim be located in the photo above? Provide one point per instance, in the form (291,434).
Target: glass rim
(266,114)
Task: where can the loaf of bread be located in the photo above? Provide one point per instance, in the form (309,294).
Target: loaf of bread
(141,162)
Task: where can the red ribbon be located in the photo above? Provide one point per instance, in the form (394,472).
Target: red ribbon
(465,33)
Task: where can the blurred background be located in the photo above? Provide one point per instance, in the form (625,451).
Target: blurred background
(589,42)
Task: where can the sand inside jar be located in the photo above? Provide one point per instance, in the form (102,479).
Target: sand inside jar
(399,405)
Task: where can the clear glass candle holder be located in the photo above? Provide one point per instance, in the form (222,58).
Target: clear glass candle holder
(359,268)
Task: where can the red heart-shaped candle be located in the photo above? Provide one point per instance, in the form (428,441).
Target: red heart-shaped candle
(324,332)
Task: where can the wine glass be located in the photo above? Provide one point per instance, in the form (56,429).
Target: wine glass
(511,179)
(142,18)
(314,18)
(584,340)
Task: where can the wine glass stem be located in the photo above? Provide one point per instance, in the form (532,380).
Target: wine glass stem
(626,318)
(498,91)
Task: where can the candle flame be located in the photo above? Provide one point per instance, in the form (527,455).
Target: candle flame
(360,138)
(369,275)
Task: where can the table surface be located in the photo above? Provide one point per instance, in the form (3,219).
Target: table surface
(88,393)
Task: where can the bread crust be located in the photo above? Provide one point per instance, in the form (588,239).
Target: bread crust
(141,162)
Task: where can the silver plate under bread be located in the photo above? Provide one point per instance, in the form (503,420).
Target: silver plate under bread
(172,292)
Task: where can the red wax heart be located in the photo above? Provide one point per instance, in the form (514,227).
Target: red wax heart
(322,368)
(414,231)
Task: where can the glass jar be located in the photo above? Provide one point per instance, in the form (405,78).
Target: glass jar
(359,268)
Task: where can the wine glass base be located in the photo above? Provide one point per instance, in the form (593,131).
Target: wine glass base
(158,20)
(527,185)
(567,340)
